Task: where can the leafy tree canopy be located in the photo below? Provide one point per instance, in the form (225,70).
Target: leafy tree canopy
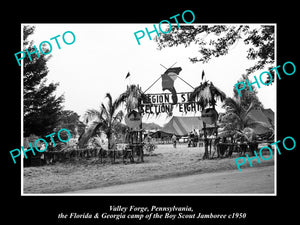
(216,40)
(70,120)
(247,97)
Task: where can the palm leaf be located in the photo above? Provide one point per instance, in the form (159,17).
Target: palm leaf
(198,91)
(131,97)
(231,117)
(110,108)
(88,133)
(242,134)
(121,99)
(253,123)
(217,93)
(104,112)
(207,94)
(118,117)
(245,114)
(92,114)
(232,103)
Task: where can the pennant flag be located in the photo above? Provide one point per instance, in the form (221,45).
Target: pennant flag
(168,79)
(128,74)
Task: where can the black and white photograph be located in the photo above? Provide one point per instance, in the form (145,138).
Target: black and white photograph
(181,114)
(150,115)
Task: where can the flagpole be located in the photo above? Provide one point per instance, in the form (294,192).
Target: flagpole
(128,76)
(152,84)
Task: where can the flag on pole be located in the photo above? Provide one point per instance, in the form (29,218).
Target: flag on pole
(203,74)
(128,74)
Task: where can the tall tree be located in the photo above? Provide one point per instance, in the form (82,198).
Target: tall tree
(41,106)
(246,96)
(107,119)
(216,40)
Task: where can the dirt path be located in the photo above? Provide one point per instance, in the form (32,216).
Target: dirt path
(248,181)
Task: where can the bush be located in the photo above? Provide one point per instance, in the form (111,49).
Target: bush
(150,147)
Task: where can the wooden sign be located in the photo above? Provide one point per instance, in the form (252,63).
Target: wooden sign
(133,119)
(162,103)
(209,115)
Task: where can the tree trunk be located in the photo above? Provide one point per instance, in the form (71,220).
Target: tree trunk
(216,132)
(109,146)
(141,146)
(205,156)
(141,134)
(108,135)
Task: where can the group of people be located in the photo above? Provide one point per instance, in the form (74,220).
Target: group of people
(221,144)
(239,145)
(193,139)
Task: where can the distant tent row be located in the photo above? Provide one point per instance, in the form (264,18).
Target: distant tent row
(182,126)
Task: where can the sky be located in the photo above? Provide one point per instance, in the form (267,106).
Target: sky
(102,55)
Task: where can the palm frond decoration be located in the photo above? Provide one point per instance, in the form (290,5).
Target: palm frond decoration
(206,94)
(131,97)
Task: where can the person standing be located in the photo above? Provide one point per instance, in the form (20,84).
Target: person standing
(174,140)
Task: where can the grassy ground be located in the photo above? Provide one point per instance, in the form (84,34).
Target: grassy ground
(90,173)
